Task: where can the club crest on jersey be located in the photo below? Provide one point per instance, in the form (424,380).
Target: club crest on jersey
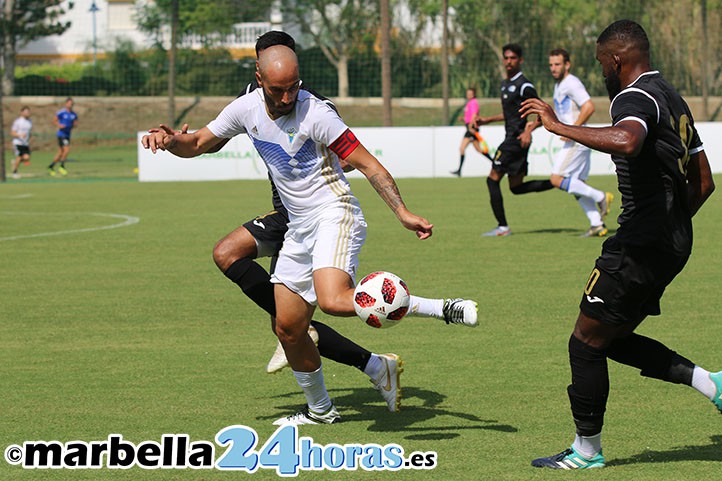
(291,134)
(512,88)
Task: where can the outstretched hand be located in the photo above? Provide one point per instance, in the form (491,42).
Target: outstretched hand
(161,137)
(543,110)
(158,139)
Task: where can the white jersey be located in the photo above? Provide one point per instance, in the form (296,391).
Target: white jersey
(295,149)
(569,96)
(22,127)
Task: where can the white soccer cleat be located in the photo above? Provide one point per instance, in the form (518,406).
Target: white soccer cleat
(278,360)
(306,416)
(460,311)
(498,232)
(388,383)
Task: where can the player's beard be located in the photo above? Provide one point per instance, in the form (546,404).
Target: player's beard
(613,84)
(277,109)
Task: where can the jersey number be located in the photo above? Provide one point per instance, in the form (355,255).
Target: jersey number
(685,135)
(593,278)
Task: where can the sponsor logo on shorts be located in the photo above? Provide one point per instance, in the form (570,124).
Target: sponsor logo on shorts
(259,224)
(594,299)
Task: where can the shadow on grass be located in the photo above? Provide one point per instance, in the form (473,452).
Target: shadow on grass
(710,452)
(561,230)
(364,405)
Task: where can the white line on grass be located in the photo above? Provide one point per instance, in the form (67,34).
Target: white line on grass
(14,197)
(127,220)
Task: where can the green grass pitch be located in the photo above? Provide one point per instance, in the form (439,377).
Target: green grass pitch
(132,330)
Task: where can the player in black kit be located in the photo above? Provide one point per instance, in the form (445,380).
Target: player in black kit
(664,178)
(511,156)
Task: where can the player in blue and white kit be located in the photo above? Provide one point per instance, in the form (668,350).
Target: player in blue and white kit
(20,130)
(263,236)
(301,140)
(65,120)
(570,168)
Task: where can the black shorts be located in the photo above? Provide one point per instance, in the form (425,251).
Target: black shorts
(21,150)
(269,229)
(510,158)
(63,141)
(627,282)
(470,134)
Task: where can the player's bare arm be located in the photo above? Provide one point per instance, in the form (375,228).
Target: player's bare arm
(624,139)
(525,136)
(585,112)
(180,144)
(184,130)
(488,120)
(384,184)
(700,183)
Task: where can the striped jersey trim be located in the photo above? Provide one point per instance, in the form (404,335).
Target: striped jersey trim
(635,119)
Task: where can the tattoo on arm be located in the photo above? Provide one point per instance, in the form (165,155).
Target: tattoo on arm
(386,187)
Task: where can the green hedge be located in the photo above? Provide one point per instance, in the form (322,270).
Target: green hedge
(215,72)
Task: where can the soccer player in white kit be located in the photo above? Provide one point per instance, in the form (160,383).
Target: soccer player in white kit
(20,131)
(570,168)
(300,138)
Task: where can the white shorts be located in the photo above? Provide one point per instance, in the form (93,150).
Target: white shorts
(333,238)
(572,161)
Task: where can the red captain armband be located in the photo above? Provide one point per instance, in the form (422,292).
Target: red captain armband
(345,144)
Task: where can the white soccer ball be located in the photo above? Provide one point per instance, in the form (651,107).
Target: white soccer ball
(381,299)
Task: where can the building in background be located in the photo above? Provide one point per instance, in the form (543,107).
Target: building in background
(97,25)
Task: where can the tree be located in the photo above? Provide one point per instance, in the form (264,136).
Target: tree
(205,19)
(24,21)
(338,27)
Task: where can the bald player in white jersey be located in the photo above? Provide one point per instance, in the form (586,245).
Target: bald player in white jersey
(570,168)
(301,139)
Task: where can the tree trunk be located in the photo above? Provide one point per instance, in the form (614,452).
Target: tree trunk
(342,75)
(704,63)
(445,62)
(171,62)
(3,174)
(8,47)
(386,62)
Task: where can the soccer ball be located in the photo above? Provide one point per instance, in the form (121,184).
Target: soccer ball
(381,299)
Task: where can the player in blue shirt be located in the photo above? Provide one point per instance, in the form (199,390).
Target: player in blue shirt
(65,120)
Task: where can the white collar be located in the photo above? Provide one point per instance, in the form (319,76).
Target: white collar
(651,72)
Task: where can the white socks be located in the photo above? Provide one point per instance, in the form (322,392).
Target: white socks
(315,390)
(422,307)
(373,367)
(590,209)
(588,446)
(581,188)
(702,383)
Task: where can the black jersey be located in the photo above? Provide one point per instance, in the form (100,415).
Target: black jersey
(655,209)
(275,198)
(513,92)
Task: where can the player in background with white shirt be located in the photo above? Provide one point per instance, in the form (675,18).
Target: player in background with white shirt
(570,169)
(326,231)
(20,131)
